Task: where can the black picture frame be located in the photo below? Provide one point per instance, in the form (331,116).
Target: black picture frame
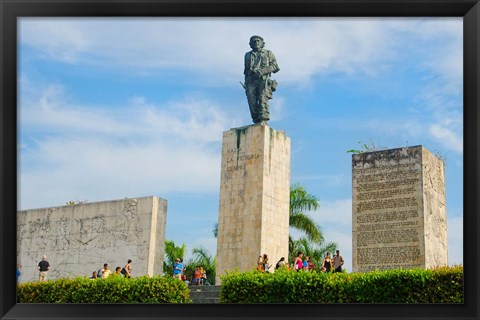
(11,10)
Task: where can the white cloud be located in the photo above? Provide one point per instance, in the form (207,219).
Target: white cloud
(447,137)
(215,46)
(336,213)
(98,170)
(211,51)
(403,130)
(443,58)
(135,150)
(278,111)
(66,43)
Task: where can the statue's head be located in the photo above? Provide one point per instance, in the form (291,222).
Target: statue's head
(256,42)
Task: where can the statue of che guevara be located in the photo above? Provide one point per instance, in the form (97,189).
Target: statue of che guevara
(259,65)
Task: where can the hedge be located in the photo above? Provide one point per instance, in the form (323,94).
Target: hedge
(111,290)
(439,285)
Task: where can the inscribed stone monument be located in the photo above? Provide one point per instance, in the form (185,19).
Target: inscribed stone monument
(78,239)
(254,198)
(399,213)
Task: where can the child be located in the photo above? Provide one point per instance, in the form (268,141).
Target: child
(305,263)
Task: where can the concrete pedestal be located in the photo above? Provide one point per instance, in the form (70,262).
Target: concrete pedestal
(78,239)
(254,198)
(399,213)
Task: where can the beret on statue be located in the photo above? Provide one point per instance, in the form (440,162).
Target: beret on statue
(255,37)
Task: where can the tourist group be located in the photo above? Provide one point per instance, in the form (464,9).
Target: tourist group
(303,262)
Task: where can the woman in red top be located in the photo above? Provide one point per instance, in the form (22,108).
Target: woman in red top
(311,266)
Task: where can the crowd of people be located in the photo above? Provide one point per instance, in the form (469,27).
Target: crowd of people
(43,268)
(105,272)
(199,276)
(303,262)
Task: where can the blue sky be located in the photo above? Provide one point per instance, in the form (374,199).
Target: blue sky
(131,107)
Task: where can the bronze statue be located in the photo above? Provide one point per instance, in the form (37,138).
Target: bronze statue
(259,65)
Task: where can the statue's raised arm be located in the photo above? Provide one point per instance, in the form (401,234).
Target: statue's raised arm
(259,65)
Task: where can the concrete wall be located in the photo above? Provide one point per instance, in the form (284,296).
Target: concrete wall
(435,213)
(78,239)
(254,198)
(398,210)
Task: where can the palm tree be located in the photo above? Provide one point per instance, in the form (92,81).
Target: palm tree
(301,201)
(172,252)
(313,243)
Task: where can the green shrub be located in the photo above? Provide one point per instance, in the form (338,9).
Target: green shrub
(439,285)
(111,290)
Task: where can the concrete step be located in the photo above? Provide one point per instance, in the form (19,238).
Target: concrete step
(206,300)
(205,288)
(205,294)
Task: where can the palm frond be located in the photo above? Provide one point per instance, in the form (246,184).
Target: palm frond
(305,223)
(301,200)
(215,230)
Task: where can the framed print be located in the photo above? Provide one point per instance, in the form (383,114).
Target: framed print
(117,99)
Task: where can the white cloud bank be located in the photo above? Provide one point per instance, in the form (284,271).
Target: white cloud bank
(210,51)
(138,149)
(304,47)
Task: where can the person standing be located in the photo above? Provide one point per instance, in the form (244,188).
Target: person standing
(327,263)
(118,272)
(298,263)
(99,272)
(19,266)
(260,263)
(266,264)
(259,65)
(280,264)
(43,268)
(106,272)
(305,263)
(177,269)
(311,265)
(204,276)
(338,261)
(197,276)
(127,270)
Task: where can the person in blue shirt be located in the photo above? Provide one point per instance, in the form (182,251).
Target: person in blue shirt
(18,271)
(305,263)
(177,269)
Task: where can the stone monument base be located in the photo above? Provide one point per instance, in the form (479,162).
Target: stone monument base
(399,213)
(78,239)
(254,198)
